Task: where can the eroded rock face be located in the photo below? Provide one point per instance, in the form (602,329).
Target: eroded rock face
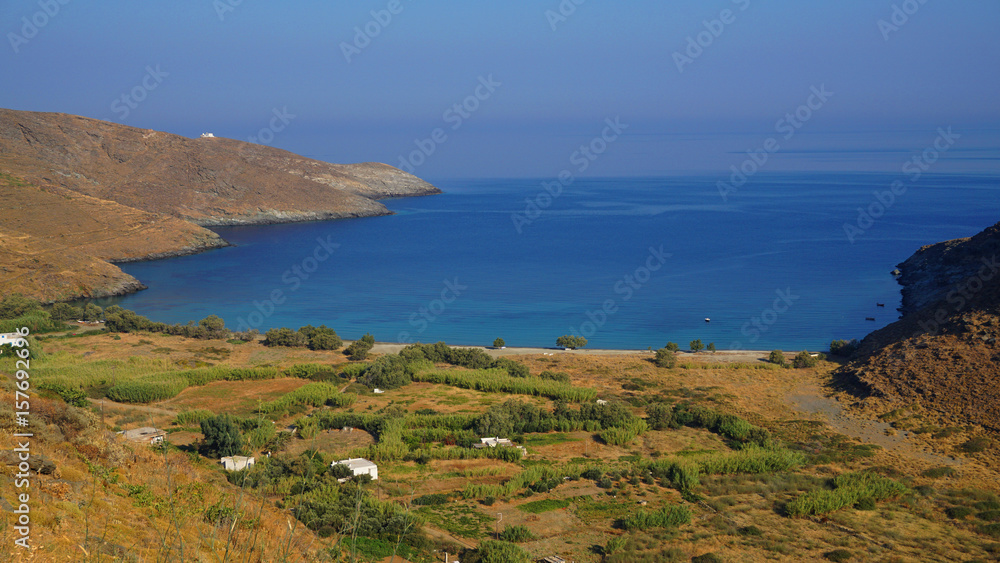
(938,272)
(78,195)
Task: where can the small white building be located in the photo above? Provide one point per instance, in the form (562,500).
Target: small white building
(206,135)
(359,466)
(601,402)
(237,462)
(377,391)
(494,442)
(9,337)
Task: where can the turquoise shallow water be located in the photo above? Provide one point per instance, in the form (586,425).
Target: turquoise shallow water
(626,262)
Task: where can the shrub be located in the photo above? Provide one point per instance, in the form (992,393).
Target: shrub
(938,472)
(777,357)
(839,555)
(387,372)
(672,346)
(665,358)
(849,489)
(516,534)
(191,417)
(668,517)
(697,346)
(66,312)
(431,500)
(493,551)
(843,348)
(975,445)
(149,389)
(989,515)
(285,337)
(71,396)
(804,360)
(707,558)
(958,512)
(499,343)
(660,416)
(711,347)
(16,305)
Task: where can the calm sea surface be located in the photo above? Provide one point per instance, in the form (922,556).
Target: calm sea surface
(628,263)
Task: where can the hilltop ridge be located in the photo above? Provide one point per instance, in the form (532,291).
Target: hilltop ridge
(80,194)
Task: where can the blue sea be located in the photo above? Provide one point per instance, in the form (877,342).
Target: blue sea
(628,263)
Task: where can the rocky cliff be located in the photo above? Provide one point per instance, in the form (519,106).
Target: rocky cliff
(944,353)
(77,194)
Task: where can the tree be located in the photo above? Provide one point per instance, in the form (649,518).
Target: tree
(697,346)
(358,350)
(212,327)
(660,416)
(16,305)
(673,347)
(499,343)
(711,347)
(321,338)
(665,358)
(568,341)
(777,357)
(65,312)
(92,312)
(387,372)
(222,437)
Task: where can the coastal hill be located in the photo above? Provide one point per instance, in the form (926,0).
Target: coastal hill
(944,352)
(79,194)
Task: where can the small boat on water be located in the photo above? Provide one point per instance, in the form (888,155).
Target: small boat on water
(708,320)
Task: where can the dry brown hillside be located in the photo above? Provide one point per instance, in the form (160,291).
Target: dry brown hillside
(945,351)
(78,194)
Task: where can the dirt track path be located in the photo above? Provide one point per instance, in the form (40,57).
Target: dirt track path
(810,398)
(443,535)
(108,403)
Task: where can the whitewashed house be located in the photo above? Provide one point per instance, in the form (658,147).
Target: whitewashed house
(206,135)
(237,462)
(9,337)
(359,466)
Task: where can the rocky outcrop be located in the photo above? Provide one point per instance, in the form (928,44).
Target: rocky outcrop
(944,353)
(938,270)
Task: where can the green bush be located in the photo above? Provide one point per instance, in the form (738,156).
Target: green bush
(193,417)
(777,357)
(707,558)
(359,349)
(285,337)
(668,517)
(839,555)
(431,500)
(148,390)
(976,445)
(516,534)
(672,346)
(493,551)
(222,437)
(665,358)
(71,396)
(390,371)
(938,472)
(958,512)
(697,346)
(849,489)
(16,305)
(499,343)
(804,360)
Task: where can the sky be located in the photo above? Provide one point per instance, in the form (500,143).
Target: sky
(458,89)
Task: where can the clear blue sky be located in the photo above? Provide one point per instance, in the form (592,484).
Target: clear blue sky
(227,68)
